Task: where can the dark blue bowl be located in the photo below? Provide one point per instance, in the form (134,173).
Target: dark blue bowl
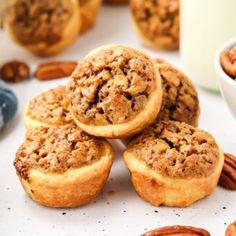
(8,105)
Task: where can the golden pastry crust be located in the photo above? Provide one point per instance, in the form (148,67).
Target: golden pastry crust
(157,22)
(43,27)
(117,1)
(114,92)
(174,164)
(63,166)
(89,12)
(49,108)
(180,98)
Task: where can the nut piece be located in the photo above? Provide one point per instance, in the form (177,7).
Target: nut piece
(231,230)
(228,62)
(228,174)
(14,71)
(177,230)
(55,70)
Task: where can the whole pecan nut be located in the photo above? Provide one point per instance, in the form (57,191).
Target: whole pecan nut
(14,71)
(228,174)
(55,70)
(231,229)
(177,230)
(228,62)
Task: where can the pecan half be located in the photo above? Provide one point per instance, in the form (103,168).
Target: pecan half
(231,230)
(55,70)
(14,71)
(228,62)
(228,174)
(177,230)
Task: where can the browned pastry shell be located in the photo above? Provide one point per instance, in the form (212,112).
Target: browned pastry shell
(43,27)
(174,164)
(62,166)
(157,22)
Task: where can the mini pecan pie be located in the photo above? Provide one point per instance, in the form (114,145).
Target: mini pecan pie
(62,166)
(180,99)
(174,164)
(157,22)
(89,11)
(115,92)
(47,109)
(43,27)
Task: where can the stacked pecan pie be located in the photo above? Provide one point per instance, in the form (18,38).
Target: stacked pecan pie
(118,92)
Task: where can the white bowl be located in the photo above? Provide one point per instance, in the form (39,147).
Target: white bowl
(227,84)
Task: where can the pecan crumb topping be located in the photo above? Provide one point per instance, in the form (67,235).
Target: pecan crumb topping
(56,149)
(112,86)
(177,149)
(39,21)
(51,107)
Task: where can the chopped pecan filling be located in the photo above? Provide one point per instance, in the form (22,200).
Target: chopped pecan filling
(112,86)
(177,150)
(180,99)
(51,107)
(56,149)
(158,20)
(34,21)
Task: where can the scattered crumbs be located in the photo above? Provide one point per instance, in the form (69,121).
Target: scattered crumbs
(63,213)
(124,211)
(8,208)
(108,203)
(177,214)
(99,222)
(146,214)
(123,203)
(111,192)
(145,229)
(94,201)
(225,223)
(156,211)
(84,213)
(103,230)
(215,213)
(104,216)
(224,208)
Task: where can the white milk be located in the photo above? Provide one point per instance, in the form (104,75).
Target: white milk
(205,26)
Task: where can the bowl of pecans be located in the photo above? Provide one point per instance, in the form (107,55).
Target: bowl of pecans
(225,65)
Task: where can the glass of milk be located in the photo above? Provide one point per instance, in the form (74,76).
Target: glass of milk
(205,26)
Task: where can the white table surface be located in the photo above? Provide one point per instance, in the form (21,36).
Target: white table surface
(123,212)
